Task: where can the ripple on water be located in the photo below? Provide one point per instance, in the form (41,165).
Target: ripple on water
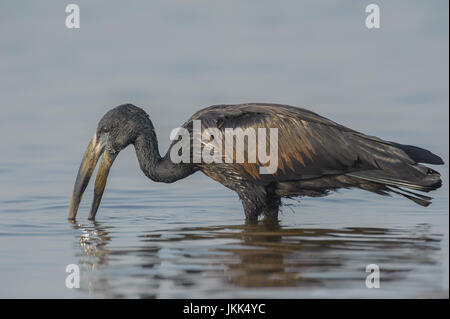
(253,256)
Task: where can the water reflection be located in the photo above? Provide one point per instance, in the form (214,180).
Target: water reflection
(221,260)
(93,240)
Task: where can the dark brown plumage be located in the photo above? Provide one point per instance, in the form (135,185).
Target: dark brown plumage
(315,156)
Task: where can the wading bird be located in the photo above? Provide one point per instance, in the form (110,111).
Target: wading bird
(315,156)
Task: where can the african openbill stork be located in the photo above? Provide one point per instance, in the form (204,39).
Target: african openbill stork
(315,156)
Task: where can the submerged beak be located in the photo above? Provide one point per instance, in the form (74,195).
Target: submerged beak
(93,152)
(100,182)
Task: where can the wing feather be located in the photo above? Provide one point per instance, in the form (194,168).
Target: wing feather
(309,145)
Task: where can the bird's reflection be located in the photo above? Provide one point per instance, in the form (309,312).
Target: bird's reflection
(93,240)
(169,262)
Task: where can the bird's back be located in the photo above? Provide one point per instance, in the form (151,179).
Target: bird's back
(317,153)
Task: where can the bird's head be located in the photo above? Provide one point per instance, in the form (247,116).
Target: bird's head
(117,129)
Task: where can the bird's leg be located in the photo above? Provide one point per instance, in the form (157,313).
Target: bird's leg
(270,210)
(251,211)
(256,203)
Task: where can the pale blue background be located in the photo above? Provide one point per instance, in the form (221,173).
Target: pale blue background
(175,57)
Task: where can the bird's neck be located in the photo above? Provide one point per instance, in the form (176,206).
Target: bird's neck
(155,167)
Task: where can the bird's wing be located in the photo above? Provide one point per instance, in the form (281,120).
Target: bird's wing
(309,145)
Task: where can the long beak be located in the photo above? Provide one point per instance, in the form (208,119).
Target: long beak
(100,182)
(91,155)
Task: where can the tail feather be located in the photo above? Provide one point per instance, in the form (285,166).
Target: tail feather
(427,183)
(419,155)
(412,193)
(417,198)
(415,177)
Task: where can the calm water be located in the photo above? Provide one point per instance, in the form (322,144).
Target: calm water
(188,239)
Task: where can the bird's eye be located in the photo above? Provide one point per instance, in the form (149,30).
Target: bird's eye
(106,130)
